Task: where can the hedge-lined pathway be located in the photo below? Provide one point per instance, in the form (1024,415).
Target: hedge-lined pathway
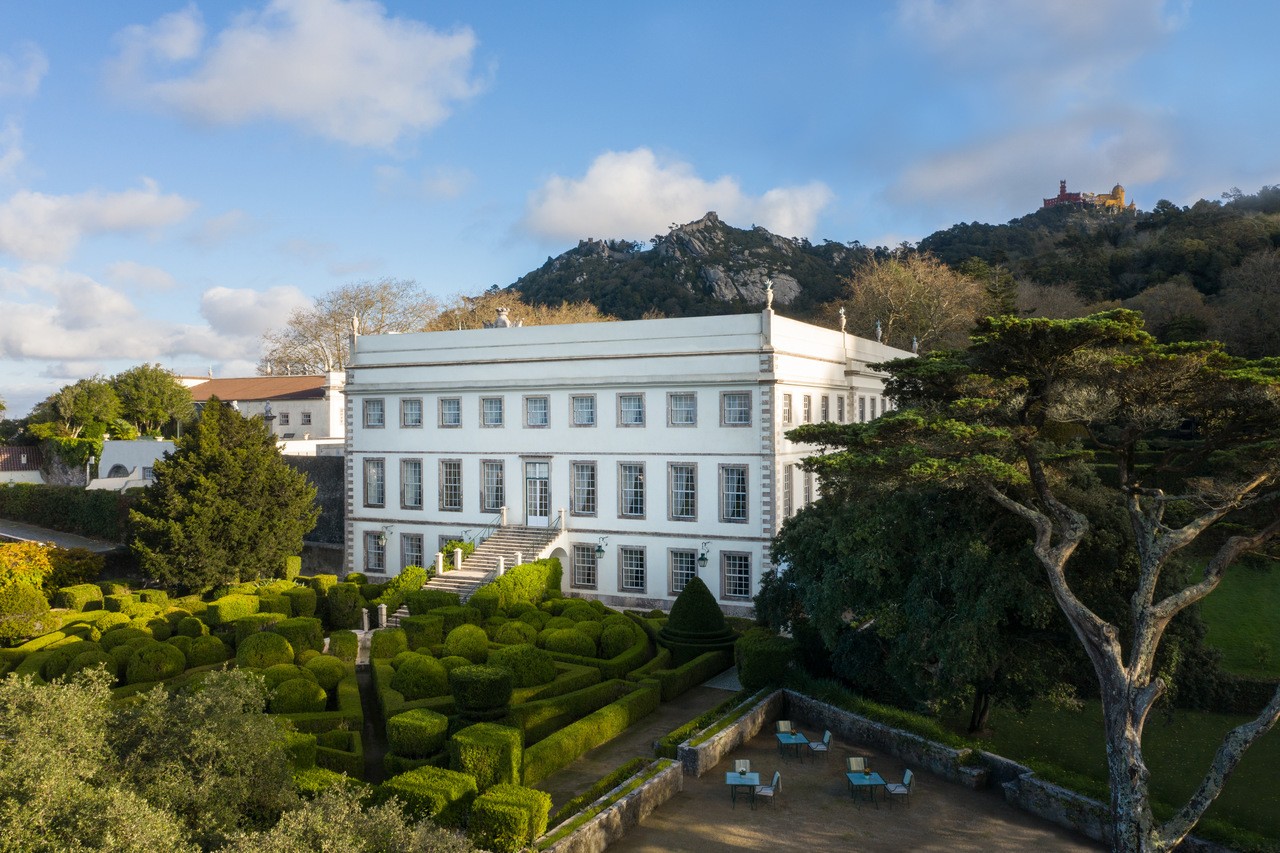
(21,532)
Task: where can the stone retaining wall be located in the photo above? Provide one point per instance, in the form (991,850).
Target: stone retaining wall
(615,821)
(701,758)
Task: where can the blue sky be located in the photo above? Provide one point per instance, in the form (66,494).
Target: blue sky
(176,177)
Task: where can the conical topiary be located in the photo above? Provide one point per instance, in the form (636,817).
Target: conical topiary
(696,625)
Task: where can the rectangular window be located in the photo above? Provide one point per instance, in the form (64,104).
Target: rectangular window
(735,570)
(682,409)
(375,414)
(808,487)
(411,483)
(306,419)
(786,408)
(490,411)
(826,408)
(684,568)
(375,552)
(862,409)
(451,485)
(536,412)
(584,410)
(375,482)
(584,488)
(683,502)
(735,408)
(788,508)
(631,490)
(873,408)
(148,473)
(411,550)
(450,411)
(493,486)
(630,410)
(411,413)
(840,408)
(284,419)
(631,569)
(808,409)
(585,566)
(733,492)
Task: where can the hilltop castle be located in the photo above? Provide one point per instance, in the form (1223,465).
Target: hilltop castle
(1112,202)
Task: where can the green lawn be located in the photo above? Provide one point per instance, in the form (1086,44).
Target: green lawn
(1177,752)
(1241,617)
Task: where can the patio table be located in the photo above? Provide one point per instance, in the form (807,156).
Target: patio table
(859,782)
(795,740)
(742,780)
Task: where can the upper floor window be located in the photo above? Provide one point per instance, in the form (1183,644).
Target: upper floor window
(306,419)
(584,488)
(826,408)
(411,412)
(735,408)
(584,410)
(682,409)
(630,410)
(840,408)
(808,409)
(450,412)
(450,484)
(733,492)
(631,490)
(786,408)
(683,501)
(491,411)
(411,483)
(375,414)
(284,419)
(375,482)
(536,412)
(493,485)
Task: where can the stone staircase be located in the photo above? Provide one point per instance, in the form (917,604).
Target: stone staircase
(482,565)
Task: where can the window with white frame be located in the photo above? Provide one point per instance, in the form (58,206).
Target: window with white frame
(873,408)
(284,419)
(375,482)
(585,566)
(631,410)
(490,411)
(826,408)
(306,419)
(683,500)
(840,408)
(411,550)
(631,490)
(411,483)
(684,568)
(450,412)
(583,408)
(375,414)
(631,569)
(787,507)
(786,408)
(735,408)
(808,487)
(862,409)
(451,485)
(735,575)
(807,411)
(411,412)
(536,412)
(733,492)
(375,551)
(493,487)
(682,409)
(584,488)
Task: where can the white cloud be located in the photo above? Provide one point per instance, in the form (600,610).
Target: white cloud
(39,227)
(343,70)
(634,194)
(21,75)
(139,275)
(11,153)
(438,183)
(217,230)
(242,312)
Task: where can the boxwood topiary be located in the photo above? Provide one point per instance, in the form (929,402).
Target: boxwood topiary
(327,669)
(91,659)
(343,645)
(424,630)
(302,632)
(190,626)
(424,600)
(112,587)
(275,602)
(515,631)
(452,662)
(481,692)
(55,665)
(417,733)
(154,661)
(696,625)
(305,655)
(489,752)
(24,612)
(455,616)
(345,605)
(592,629)
(570,642)
(616,639)
(117,601)
(254,623)
(262,650)
(298,696)
(507,818)
(401,658)
(321,584)
(154,596)
(302,601)
(80,597)
(282,672)
(558,622)
(183,644)
(423,677)
(763,658)
(528,664)
(229,608)
(387,643)
(468,641)
(207,650)
(120,636)
(442,795)
(356,577)
(580,611)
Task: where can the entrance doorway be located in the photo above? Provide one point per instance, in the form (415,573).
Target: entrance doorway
(537,494)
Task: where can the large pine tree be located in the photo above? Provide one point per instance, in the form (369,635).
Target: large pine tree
(225,507)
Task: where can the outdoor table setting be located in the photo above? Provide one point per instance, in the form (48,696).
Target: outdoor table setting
(864,780)
(794,740)
(736,780)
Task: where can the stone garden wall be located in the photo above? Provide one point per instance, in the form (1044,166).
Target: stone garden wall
(615,821)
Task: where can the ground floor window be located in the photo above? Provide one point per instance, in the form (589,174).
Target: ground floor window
(375,552)
(631,565)
(736,575)
(584,566)
(411,553)
(684,568)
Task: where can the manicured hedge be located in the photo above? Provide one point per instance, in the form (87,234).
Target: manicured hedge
(120,636)
(302,601)
(322,584)
(207,650)
(675,682)
(116,602)
(99,513)
(616,639)
(263,650)
(507,818)
(423,677)
(345,606)
(489,752)
(91,659)
(482,693)
(442,795)
(468,641)
(62,655)
(528,664)
(418,733)
(459,615)
(487,600)
(344,645)
(247,626)
(542,717)
(275,602)
(24,612)
(154,661)
(190,626)
(423,631)
(301,749)
(298,696)
(388,642)
(327,669)
(564,746)
(425,600)
(302,632)
(282,672)
(81,596)
(514,632)
(569,641)
(229,608)
(763,658)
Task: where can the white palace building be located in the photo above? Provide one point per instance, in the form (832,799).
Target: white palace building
(643,452)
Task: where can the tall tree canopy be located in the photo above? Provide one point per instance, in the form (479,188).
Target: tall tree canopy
(1194,436)
(224,507)
(82,404)
(151,397)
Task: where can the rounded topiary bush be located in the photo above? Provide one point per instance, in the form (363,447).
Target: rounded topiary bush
(452,662)
(423,677)
(558,622)
(401,658)
(345,605)
(302,632)
(154,661)
(92,659)
(481,690)
(327,670)
(570,642)
(282,672)
(174,616)
(616,639)
(696,625)
(157,626)
(468,641)
(516,631)
(262,650)
(190,626)
(120,636)
(591,629)
(536,618)
(182,644)
(298,696)
(343,645)
(246,626)
(528,664)
(305,655)
(580,612)
(387,643)
(356,577)
(418,733)
(55,664)
(207,650)
(24,612)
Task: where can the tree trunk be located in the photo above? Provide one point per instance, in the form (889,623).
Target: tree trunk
(1134,827)
(980,712)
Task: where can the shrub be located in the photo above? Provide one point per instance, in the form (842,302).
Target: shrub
(345,605)
(388,642)
(24,612)
(570,641)
(696,625)
(356,578)
(207,650)
(282,672)
(424,600)
(616,639)
(154,661)
(528,583)
(418,733)
(423,677)
(594,630)
(452,662)
(514,632)
(157,627)
(298,696)
(262,650)
(455,616)
(55,665)
(423,630)
(275,602)
(482,693)
(112,587)
(562,747)
(91,659)
(303,633)
(580,611)
(79,597)
(401,658)
(507,818)
(528,664)
(193,604)
(182,644)
(394,591)
(229,608)
(442,795)
(487,600)
(120,636)
(327,669)
(557,623)
(292,568)
(302,601)
(537,618)
(158,597)
(190,626)
(343,645)
(117,602)
(246,626)
(322,584)
(487,751)
(468,641)
(305,655)
(763,658)
(468,548)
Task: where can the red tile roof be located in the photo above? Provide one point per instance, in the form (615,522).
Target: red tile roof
(261,388)
(20,458)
